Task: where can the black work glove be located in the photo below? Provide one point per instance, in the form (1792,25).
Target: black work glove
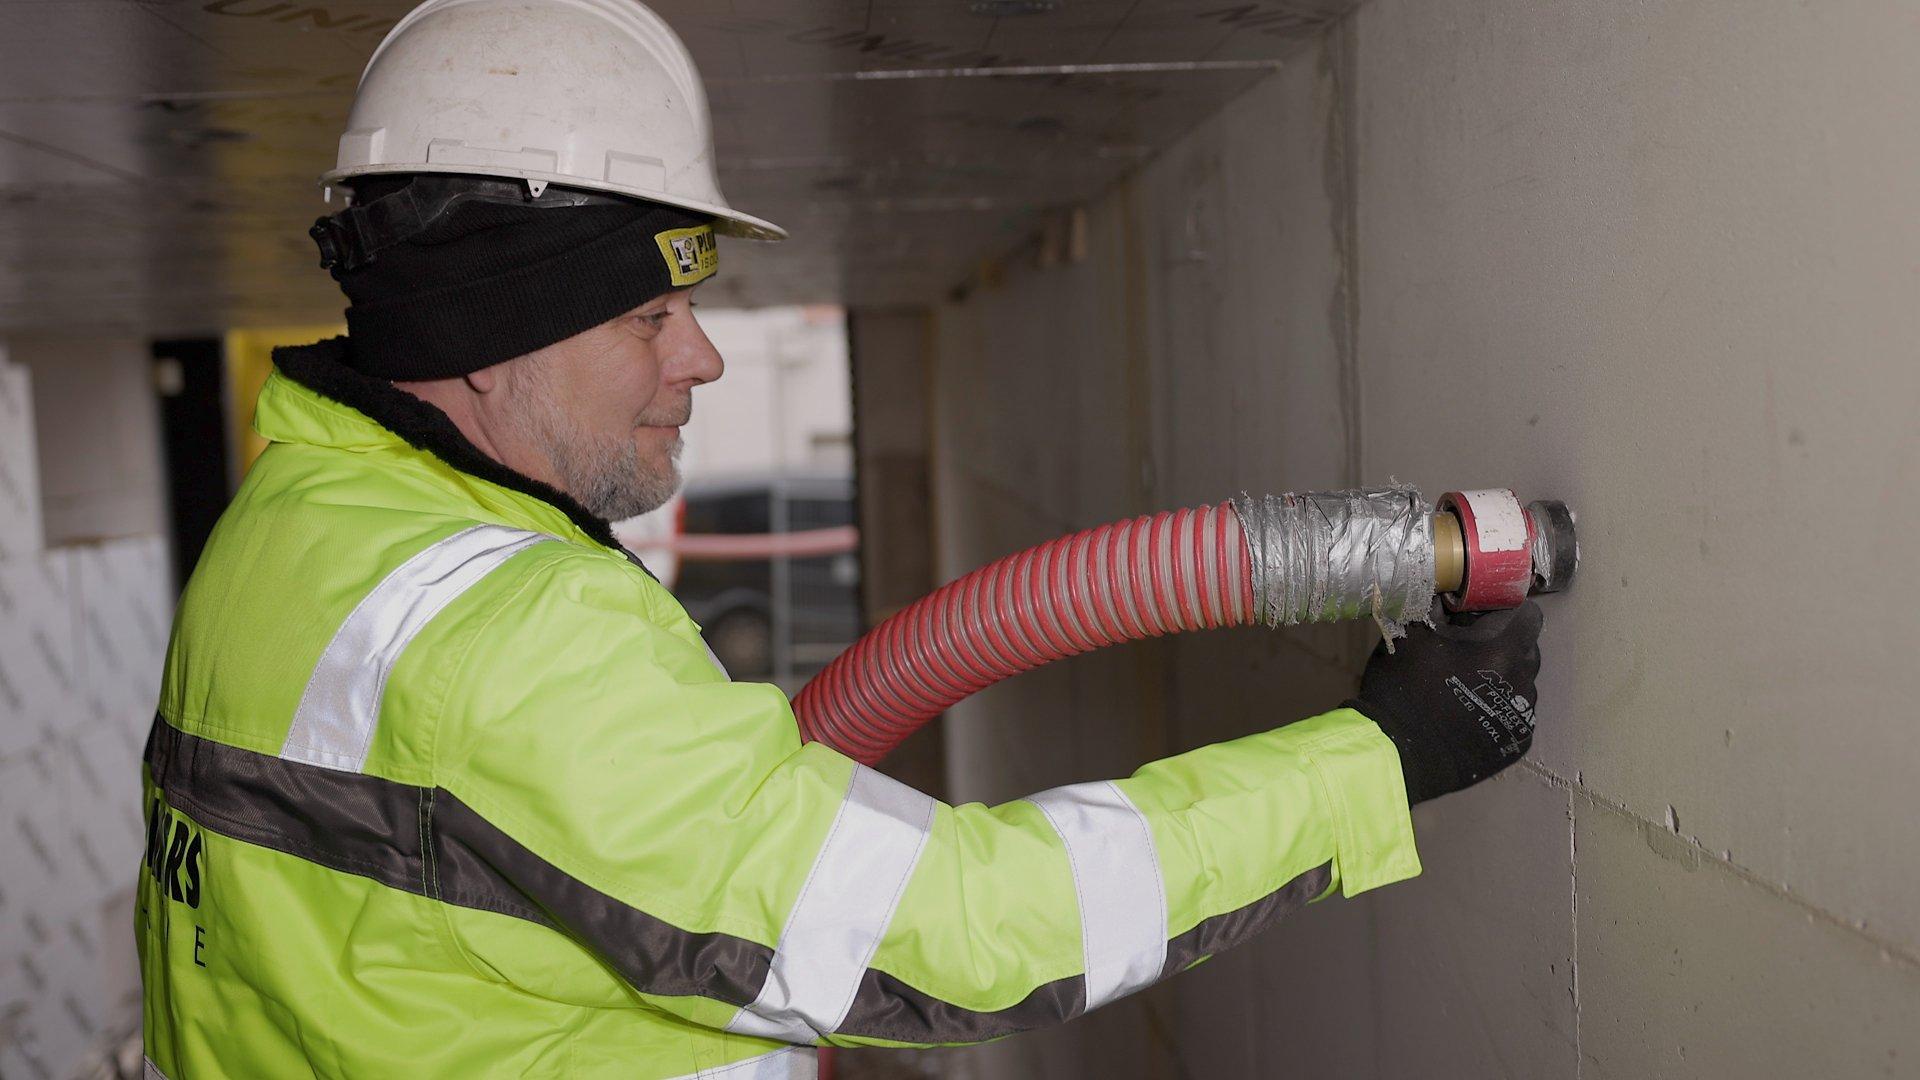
(1457,699)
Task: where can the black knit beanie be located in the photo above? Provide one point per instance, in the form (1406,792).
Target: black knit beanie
(488,281)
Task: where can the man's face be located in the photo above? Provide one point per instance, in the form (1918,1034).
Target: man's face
(605,406)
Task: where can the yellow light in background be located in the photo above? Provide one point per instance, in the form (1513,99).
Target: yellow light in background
(249,362)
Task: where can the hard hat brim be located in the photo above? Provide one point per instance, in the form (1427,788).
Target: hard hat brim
(727,220)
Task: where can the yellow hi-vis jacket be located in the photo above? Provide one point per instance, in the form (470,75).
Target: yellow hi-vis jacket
(444,785)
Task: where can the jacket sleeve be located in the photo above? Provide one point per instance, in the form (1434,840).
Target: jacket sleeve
(599,772)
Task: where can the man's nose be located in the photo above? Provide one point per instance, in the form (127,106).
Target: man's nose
(699,361)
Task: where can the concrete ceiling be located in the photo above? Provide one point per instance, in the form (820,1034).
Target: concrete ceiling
(157,157)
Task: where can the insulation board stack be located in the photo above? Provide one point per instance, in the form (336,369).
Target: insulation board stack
(123,612)
(82,639)
(20,526)
(40,709)
(83,633)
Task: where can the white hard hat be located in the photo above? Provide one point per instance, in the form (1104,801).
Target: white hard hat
(593,94)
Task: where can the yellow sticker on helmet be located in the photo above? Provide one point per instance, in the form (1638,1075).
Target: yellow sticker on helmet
(690,254)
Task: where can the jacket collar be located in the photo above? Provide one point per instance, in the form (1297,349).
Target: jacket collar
(314,397)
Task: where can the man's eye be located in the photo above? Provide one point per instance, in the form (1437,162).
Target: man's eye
(653,321)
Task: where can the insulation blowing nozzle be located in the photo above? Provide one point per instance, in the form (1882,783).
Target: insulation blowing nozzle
(1490,552)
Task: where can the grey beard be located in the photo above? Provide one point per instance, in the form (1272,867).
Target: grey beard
(603,475)
(609,480)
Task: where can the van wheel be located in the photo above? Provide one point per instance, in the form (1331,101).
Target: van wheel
(743,640)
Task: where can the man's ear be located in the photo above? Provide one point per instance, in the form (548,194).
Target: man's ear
(484,380)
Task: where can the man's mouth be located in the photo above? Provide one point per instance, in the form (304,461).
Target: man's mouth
(672,424)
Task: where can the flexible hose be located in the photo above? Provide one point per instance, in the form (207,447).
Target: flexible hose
(1179,570)
(1276,560)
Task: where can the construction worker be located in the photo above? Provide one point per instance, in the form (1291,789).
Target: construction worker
(443,783)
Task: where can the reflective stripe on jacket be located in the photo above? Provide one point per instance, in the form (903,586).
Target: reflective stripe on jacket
(442,784)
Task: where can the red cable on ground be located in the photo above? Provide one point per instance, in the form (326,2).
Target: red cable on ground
(1168,572)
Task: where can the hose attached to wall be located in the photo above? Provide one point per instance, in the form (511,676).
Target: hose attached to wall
(1277,560)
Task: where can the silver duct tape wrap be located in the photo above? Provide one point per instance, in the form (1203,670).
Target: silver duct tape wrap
(1540,548)
(1328,555)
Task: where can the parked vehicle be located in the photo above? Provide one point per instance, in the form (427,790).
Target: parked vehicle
(780,618)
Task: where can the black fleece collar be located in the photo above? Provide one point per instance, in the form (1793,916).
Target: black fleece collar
(321,367)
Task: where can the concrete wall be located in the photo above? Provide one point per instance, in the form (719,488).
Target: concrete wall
(1655,259)
(890,354)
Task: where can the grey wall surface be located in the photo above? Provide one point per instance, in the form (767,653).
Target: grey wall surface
(1655,259)
(888,354)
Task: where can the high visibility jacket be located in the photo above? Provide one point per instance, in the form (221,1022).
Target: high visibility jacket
(444,785)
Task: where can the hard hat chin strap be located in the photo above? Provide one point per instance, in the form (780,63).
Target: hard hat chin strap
(356,235)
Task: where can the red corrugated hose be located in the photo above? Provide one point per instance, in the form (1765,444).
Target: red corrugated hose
(1173,571)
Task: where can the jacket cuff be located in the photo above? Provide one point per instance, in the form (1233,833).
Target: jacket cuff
(1359,772)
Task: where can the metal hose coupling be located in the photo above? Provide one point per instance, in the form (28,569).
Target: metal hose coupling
(1322,556)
